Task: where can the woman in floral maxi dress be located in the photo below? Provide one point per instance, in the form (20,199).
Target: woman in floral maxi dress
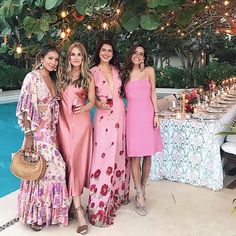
(42,202)
(109,183)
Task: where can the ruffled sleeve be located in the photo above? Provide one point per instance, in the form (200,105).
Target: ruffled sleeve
(28,102)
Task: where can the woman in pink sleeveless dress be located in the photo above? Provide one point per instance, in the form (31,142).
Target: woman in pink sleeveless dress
(109,183)
(143,133)
(74,126)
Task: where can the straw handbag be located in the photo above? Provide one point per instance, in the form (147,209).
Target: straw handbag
(28,166)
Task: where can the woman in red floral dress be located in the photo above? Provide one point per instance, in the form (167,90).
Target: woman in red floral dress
(109,183)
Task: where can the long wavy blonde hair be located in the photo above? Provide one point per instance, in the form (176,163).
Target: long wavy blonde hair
(85,75)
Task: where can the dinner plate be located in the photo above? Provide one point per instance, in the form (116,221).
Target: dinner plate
(231,96)
(204,116)
(228,99)
(217,105)
(224,102)
(214,110)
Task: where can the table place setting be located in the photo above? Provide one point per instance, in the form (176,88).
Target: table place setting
(217,105)
(205,116)
(213,110)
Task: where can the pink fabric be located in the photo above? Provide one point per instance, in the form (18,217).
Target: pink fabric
(142,138)
(109,184)
(75,140)
(44,201)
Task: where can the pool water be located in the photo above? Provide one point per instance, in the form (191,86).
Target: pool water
(11,138)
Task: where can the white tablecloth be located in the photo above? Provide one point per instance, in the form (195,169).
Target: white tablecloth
(192,151)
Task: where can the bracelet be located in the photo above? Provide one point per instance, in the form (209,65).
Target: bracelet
(28,131)
(155,113)
(29,134)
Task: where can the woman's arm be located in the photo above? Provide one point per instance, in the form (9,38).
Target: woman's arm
(28,144)
(152,80)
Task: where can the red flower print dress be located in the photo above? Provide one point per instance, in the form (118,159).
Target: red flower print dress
(109,183)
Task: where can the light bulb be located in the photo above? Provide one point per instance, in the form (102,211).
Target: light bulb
(226,3)
(68,30)
(89,27)
(64,14)
(104,25)
(63,35)
(19,49)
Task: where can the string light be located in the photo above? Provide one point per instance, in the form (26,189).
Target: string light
(64,14)
(226,14)
(104,25)
(89,27)
(162,28)
(19,49)
(182,34)
(5,39)
(68,30)
(226,3)
(118,11)
(199,33)
(167,24)
(63,34)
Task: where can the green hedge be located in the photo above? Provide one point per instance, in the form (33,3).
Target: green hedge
(11,77)
(173,77)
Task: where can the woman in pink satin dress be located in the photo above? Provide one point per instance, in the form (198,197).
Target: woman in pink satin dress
(74,126)
(109,183)
(143,133)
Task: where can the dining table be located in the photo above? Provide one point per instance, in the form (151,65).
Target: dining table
(192,144)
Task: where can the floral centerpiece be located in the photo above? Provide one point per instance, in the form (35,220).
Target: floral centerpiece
(192,99)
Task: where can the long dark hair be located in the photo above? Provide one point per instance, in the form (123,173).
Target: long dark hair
(125,72)
(96,59)
(42,53)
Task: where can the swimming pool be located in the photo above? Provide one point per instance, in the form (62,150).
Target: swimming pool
(10,141)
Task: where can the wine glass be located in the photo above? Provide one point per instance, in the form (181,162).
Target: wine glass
(109,100)
(173,106)
(75,104)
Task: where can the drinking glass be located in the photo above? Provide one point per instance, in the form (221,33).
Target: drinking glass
(109,100)
(75,104)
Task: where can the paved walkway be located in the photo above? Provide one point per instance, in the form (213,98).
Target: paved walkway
(174,209)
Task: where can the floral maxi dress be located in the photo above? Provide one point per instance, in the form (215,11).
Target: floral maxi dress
(109,183)
(42,202)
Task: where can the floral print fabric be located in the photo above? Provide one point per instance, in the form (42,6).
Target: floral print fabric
(109,183)
(44,201)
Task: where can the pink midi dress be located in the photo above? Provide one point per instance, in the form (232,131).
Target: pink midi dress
(75,140)
(109,183)
(42,202)
(142,138)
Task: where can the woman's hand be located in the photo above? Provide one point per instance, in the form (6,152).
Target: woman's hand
(28,145)
(156,122)
(102,105)
(79,109)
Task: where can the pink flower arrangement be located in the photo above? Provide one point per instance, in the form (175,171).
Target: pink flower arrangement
(191,99)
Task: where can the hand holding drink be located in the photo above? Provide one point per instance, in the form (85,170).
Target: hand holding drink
(75,104)
(109,100)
